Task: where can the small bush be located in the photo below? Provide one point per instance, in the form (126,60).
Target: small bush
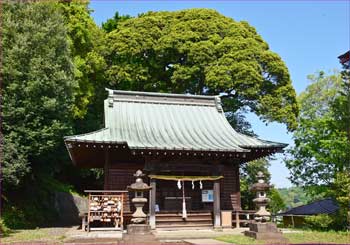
(14,218)
(319,222)
(4,230)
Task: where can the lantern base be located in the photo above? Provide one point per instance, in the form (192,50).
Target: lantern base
(139,234)
(265,231)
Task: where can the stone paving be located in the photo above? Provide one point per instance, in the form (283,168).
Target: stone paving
(197,234)
(204,241)
(75,235)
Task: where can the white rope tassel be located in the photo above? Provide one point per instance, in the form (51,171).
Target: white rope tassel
(200,185)
(192,184)
(184,211)
(179,184)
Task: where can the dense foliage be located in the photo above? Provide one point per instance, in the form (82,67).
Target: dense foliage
(88,48)
(295,196)
(37,90)
(112,24)
(318,153)
(199,51)
(320,158)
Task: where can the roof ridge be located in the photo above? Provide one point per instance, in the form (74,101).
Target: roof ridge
(163,98)
(113,92)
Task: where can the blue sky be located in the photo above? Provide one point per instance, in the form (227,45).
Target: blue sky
(308,35)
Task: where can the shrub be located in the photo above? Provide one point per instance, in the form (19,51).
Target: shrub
(4,230)
(319,222)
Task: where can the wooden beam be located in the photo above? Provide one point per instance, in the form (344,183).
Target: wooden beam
(217,210)
(152,204)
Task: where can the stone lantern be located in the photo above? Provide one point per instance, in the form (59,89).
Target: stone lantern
(139,187)
(261,229)
(139,232)
(261,201)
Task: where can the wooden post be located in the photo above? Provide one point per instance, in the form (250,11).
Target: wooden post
(106,169)
(237,219)
(152,204)
(217,218)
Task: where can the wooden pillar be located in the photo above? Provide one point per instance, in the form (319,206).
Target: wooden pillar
(152,204)
(238,188)
(217,210)
(237,219)
(106,169)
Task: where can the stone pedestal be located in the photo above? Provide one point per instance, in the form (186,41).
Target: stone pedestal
(266,231)
(139,234)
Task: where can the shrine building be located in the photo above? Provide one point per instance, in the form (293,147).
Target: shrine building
(183,143)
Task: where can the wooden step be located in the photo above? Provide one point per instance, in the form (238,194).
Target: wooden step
(185,223)
(188,216)
(174,220)
(184,227)
(180,219)
(180,214)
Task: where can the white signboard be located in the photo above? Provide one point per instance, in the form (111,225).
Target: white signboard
(207,196)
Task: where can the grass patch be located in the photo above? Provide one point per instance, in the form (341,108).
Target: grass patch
(338,237)
(326,237)
(42,235)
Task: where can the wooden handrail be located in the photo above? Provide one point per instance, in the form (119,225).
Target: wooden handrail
(238,220)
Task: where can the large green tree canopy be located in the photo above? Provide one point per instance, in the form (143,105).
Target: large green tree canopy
(87,45)
(200,51)
(37,88)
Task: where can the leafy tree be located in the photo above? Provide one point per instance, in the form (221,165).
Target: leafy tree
(88,49)
(320,158)
(248,177)
(341,183)
(87,45)
(37,89)
(319,150)
(199,51)
(277,203)
(342,104)
(111,24)
(295,196)
(14,166)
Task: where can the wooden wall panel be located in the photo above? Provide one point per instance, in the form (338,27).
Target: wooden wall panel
(121,175)
(230,191)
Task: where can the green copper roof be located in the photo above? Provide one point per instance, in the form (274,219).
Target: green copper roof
(169,122)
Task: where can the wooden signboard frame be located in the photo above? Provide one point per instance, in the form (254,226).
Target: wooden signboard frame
(105,207)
